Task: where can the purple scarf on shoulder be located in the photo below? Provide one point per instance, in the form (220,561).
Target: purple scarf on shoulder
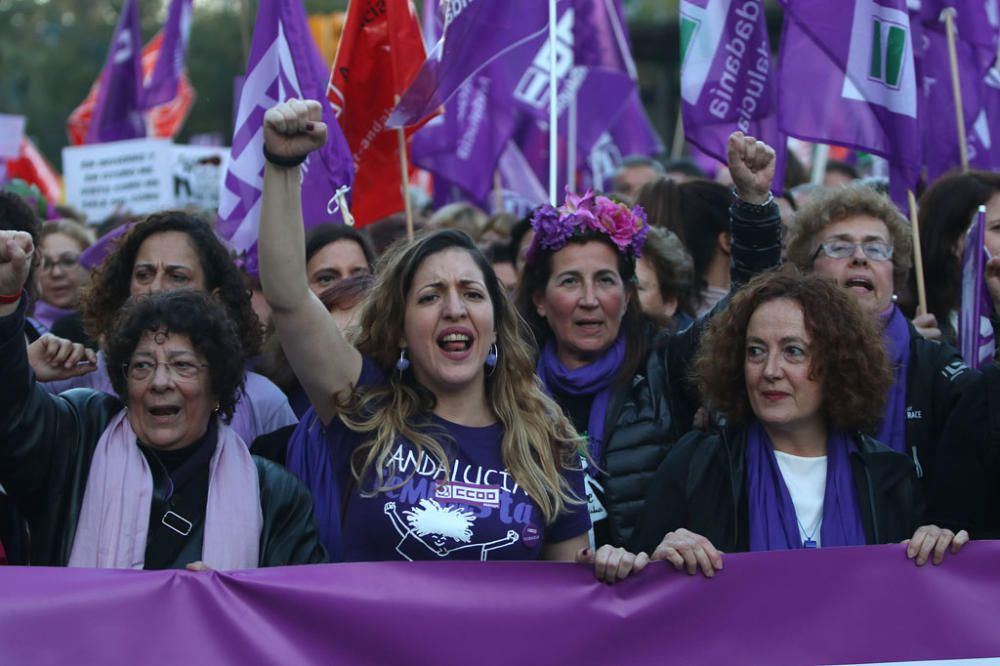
(896,339)
(592,379)
(50,314)
(773,524)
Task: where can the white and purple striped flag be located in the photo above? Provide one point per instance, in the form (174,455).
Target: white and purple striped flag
(976,340)
(166,77)
(116,112)
(726,79)
(284,64)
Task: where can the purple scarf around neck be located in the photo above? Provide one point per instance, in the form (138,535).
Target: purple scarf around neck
(593,379)
(773,523)
(48,314)
(896,339)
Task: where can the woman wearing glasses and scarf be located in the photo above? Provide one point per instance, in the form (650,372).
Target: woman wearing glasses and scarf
(153,478)
(858,238)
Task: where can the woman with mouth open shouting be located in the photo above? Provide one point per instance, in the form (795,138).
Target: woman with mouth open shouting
(620,380)
(436,434)
(858,238)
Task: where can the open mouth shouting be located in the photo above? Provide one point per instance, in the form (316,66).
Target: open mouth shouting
(456,342)
(163,414)
(860,284)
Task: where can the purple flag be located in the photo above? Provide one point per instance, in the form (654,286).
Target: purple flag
(976,32)
(476,32)
(975,331)
(846,76)
(166,76)
(116,112)
(726,81)
(632,134)
(284,64)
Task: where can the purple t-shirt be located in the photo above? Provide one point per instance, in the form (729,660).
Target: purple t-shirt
(478,512)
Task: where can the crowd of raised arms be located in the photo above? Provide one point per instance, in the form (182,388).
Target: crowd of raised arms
(674,370)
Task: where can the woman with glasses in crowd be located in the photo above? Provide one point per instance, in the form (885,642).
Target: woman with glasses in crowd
(152,477)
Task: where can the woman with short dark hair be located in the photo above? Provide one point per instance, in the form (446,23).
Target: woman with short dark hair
(801,375)
(153,478)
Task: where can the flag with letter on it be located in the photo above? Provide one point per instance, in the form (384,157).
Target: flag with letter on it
(116,114)
(284,64)
(976,339)
(726,79)
(380,52)
(846,76)
(165,81)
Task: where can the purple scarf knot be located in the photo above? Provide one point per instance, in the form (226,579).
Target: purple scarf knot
(593,379)
(773,523)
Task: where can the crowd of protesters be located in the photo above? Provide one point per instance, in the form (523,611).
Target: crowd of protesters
(673,370)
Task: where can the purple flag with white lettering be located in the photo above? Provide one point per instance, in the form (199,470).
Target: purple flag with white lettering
(116,113)
(284,64)
(846,77)
(166,76)
(726,81)
(976,25)
(476,32)
(975,330)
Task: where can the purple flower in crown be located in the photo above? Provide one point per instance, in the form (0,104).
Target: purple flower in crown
(552,230)
(588,214)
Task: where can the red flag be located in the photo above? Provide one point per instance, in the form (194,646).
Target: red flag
(164,120)
(32,167)
(380,52)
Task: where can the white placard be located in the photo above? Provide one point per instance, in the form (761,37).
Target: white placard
(134,176)
(198,175)
(11,131)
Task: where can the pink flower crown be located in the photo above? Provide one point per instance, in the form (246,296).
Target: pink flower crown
(586,215)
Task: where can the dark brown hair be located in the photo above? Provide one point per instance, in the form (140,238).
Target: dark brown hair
(112,280)
(846,353)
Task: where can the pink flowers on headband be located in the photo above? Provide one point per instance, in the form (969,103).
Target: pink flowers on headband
(580,216)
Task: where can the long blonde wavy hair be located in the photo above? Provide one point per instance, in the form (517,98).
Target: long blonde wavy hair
(538,440)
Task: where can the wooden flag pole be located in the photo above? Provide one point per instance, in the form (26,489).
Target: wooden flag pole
(918,261)
(956,87)
(821,156)
(404,169)
(497,192)
(677,145)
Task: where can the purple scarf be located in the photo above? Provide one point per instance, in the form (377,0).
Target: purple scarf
(592,379)
(773,523)
(49,314)
(897,345)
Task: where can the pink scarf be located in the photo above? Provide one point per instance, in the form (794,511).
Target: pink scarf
(114,520)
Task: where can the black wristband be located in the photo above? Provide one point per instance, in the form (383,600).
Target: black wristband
(287,162)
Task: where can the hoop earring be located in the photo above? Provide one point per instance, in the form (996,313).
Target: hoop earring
(492,358)
(403,364)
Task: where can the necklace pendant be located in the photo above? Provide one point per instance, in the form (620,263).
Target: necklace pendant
(809,543)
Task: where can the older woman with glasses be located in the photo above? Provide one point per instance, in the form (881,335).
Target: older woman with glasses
(154,477)
(858,238)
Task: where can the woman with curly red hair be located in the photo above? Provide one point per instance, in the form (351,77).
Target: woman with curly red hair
(801,374)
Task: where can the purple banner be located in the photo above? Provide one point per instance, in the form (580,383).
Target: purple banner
(726,80)
(166,76)
(116,112)
(284,64)
(826,606)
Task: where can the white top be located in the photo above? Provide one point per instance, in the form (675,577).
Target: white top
(805,479)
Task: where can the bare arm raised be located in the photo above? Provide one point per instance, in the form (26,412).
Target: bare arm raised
(324,362)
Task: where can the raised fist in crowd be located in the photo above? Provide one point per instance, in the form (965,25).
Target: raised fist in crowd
(751,165)
(16,250)
(293,129)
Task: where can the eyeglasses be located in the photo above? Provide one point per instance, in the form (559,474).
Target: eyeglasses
(178,368)
(65,262)
(843,249)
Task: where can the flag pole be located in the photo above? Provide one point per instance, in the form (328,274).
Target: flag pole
(571,144)
(497,192)
(956,86)
(918,261)
(553,110)
(677,146)
(821,156)
(405,180)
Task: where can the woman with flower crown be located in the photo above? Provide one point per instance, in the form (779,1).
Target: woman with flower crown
(437,437)
(621,382)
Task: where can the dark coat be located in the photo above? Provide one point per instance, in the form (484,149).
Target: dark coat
(47,443)
(702,487)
